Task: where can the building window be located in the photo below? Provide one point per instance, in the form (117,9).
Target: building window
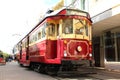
(118,45)
(109,46)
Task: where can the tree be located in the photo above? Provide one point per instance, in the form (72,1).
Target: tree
(5,55)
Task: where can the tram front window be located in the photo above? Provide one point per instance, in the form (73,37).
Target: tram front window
(81,27)
(75,26)
(68,26)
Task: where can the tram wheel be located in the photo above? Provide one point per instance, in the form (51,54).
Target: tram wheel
(41,68)
(52,69)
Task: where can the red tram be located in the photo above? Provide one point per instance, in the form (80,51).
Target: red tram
(2,60)
(61,39)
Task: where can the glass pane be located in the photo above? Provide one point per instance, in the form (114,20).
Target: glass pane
(39,35)
(109,46)
(67,26)
(118,45)
(43,32)
(51,29)
(57,29)
(81,27)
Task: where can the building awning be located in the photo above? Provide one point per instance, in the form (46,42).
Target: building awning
(106,20)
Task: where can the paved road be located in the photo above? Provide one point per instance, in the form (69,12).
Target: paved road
(12,71)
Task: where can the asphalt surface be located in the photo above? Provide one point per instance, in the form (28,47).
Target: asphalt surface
(12,71)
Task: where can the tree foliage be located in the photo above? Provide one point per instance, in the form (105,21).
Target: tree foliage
(4,54)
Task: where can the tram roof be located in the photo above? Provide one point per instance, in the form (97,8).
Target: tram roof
(52,14)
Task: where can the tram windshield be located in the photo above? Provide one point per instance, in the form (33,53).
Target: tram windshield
(81,27)
(68,26)
(75,26)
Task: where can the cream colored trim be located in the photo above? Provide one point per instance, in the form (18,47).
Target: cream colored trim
(115,6)
(82,37)
(42,39)
(51,38)
(76,36)
(68,35)
(116,10)
(115,44)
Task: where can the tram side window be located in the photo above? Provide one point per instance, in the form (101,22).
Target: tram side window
(22,45)
(30,41)
(39,35)
(57,29)
(68,26)
(43,32)
(51,29)
(19,47)
(35,37)
(25,44)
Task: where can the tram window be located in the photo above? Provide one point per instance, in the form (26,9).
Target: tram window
(81,27)
(57,29)
(86,29)
(19,47)
(25,44)
(30,41)
(35,37)
(67,26)
(51,29)
(39,35)
(43,32)
(80,31)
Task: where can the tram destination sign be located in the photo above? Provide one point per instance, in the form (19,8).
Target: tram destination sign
(76,12)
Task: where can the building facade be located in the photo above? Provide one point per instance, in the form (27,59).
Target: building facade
(106,32)
(105,15)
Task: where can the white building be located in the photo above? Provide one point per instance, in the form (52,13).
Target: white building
(105,15)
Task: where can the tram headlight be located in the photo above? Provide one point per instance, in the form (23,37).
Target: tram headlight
(90,54)
(65,53)
(79,48)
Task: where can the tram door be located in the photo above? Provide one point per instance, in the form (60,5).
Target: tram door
(27,48)
(20,45)
(51,41)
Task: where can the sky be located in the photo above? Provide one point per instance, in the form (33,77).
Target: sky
(18,17)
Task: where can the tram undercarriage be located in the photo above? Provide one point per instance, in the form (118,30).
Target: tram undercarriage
(66,66)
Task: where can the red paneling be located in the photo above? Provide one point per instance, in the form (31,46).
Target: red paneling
(51,51)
